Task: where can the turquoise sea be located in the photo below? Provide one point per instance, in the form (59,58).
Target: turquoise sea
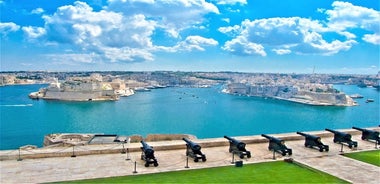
(203,112)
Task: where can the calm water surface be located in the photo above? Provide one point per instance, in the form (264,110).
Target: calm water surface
(203,112)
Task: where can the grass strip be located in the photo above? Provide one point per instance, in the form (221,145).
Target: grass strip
(371,157)
(268,172)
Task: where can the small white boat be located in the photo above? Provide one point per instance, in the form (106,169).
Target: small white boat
(369,100)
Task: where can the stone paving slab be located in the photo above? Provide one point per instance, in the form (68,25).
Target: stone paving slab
(107,165)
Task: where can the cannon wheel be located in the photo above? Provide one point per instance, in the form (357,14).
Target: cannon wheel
(363,138)
(350,146)
(320,149)
(146,164)
(283,153)
(248,155)
(203,159)
(241,156)
(155,164)
(195,159)
(326,149)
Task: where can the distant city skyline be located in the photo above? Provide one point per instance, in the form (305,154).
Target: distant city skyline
(271,36)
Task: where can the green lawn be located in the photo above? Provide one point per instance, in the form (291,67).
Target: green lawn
(371,157)
(269,172)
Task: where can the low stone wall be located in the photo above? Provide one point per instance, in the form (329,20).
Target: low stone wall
(175,142)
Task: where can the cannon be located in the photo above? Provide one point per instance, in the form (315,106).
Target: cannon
(277,145)
(194,150)
(148,155)
(342,137)
(238,147)
(369,134)
(312,141)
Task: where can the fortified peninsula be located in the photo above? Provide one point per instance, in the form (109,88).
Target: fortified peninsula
(90,88)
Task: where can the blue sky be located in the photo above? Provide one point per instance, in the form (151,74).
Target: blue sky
(287,36)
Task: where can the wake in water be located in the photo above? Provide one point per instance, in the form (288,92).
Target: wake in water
(17,105)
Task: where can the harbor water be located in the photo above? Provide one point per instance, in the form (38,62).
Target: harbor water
(203,112)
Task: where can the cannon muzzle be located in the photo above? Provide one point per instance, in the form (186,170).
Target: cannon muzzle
(229,138)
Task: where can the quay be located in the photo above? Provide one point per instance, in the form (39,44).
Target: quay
(100,161)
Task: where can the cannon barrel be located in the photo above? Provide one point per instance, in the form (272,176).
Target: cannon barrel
(145,145)
(193,146)
(342,134)
(233,141)
(148,150)
(239,145)
(267,136)
(303,134)
(360,129)
(309,136)
(332,131)
(229,138)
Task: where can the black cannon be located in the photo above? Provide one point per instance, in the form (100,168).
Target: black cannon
(312,141)
(194,150)
(238,147)
(342,137)
(369,134)
(277,145)
(148,155)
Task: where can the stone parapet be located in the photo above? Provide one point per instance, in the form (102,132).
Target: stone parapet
(80,150)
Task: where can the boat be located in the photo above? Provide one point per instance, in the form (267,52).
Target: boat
(369,100)
(356,96)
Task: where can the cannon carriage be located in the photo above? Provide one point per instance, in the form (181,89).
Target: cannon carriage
(312,141)
(277,145)
(342,137)
(147,155)
(193,150)
(238,147)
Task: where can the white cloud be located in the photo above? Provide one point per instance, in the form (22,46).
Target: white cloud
(37,11)
(195,43)
(33,32)
(282,51)
(7,27)
(173,16)
(240,46)
(345,15)
(283,36)
(231,2)
(123,31)
(229,29)
(372,38)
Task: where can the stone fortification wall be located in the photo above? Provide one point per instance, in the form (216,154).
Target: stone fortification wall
(73,95)
(336,99)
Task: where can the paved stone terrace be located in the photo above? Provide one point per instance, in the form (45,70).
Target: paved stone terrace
(65,168)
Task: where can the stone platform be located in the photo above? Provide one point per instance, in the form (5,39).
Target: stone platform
(171,157)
